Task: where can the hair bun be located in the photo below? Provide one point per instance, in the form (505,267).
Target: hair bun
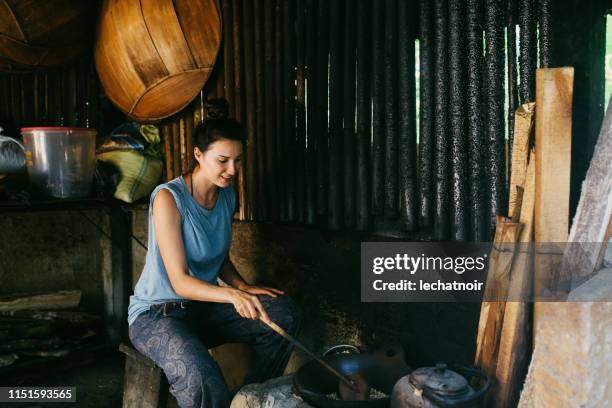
(217,108)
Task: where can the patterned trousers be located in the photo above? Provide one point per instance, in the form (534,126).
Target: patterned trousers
(176,336)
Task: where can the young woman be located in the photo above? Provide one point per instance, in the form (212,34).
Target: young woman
(178,310)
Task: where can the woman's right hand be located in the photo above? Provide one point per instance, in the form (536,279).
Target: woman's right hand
(247,305)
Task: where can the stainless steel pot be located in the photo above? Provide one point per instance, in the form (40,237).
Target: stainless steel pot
(439,387)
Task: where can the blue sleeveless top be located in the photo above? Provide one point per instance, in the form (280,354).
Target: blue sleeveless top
(206,237)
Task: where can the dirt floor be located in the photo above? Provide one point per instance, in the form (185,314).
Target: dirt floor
(98,381)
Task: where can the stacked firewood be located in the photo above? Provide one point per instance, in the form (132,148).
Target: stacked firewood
(44,325)
(519,271)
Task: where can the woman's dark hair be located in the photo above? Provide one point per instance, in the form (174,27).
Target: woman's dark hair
(217,125)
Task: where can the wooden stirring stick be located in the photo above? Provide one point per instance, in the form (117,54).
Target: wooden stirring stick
(293,340)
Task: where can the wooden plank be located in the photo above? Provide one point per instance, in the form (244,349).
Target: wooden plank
(515,343)
(492,311)
(554,90)
(523,123)
(592,223)
(63,299)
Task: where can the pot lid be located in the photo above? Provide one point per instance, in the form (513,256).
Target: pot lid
(439,380)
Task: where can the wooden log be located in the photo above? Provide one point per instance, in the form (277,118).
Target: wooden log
(515,341)
(554,90)
(63,299)
(492,310)
(520,153)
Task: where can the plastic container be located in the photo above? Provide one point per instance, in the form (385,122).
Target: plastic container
(60,160)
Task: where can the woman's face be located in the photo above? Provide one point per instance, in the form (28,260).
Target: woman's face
(220,162)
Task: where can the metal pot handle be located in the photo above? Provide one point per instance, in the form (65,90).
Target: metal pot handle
(342,349)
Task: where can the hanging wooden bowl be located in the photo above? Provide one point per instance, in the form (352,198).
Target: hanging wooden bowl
(36,34)
(154,56)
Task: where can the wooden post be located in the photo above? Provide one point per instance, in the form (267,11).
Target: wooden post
(515,344)
(554,90)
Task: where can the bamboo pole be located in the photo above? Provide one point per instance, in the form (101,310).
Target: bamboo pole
(175,128)
(167,139)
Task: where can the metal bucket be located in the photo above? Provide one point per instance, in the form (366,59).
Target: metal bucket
(61,161)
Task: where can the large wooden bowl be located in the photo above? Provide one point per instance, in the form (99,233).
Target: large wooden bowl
(154,56)
(41,33)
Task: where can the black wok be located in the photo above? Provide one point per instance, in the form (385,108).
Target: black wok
(381,368)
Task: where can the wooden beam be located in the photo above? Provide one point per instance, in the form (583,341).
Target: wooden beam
(523,123)
(492,310)
(554,90)
(515,340)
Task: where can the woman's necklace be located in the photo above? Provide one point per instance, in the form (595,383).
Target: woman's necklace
(209,208)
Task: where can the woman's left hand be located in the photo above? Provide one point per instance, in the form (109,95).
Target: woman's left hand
(261,290)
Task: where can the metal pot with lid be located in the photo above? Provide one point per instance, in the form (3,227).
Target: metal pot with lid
(439,387)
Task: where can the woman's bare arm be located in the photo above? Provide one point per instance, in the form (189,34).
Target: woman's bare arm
(167,225)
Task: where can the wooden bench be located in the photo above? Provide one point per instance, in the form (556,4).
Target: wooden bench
(145,385)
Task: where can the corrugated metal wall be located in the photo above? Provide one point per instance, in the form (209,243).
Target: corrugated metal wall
(328,92)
